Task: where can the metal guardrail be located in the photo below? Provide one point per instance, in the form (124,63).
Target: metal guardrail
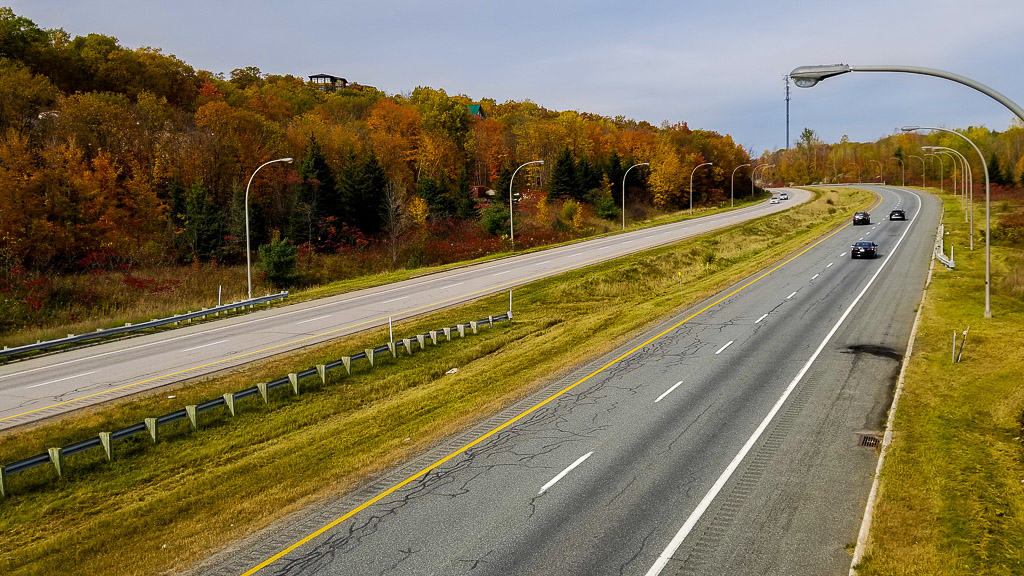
(105,440)
(940,250)
(106,332)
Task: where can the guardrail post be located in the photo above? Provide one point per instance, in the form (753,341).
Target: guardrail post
(229,401)
(490,321)
(391,348)
(472,325)
(108,448)
(369,355)
(447,333)
(3,483)
(262,387)
(422,340)
(408,345)
(509,315)
(294,379)
(433,337)
(57,457)
(347,362)
(322,371)
(151,426)
(462,330)
(190,411)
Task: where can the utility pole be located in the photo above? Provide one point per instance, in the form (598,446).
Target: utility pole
(786,113)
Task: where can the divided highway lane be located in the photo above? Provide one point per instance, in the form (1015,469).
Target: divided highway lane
(50,385)
(726,443)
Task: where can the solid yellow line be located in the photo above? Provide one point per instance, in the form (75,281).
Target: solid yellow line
(311,337)
(529,410)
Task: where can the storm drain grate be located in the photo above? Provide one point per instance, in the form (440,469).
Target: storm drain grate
(869,440)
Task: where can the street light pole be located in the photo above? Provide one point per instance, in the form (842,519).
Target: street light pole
(691,182)
(879,169)
(248,250)
(753,174)
(624,190)
(988,212)
(923,169)
(903,173)
(967,197)
(732,185)
(942,176)
(511,227)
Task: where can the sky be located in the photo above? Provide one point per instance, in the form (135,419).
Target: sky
(717,65)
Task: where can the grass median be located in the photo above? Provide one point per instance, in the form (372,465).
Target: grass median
(161,508)
(951,498)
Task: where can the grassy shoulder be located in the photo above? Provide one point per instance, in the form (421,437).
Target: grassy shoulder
(951,499)
(164,291)
(161,508)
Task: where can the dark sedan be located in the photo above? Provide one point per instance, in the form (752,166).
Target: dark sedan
(864,249)
(897,215)
(861,218)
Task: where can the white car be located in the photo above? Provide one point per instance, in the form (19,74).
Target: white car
(775,200)
(783,196)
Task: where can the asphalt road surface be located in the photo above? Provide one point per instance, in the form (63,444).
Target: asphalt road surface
(727,442)
(55,384)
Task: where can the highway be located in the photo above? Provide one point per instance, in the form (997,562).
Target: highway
(54,384)
(726,441)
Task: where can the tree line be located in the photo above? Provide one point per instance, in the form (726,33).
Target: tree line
(111,155)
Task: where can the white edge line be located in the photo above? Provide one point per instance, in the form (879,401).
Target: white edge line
(727,344)
(564,472)
(763,316)
(667,392)
(59,380)
(869,508)
(705,502)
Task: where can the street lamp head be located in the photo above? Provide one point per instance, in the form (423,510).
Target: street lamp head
(911,128)
(807,76)
(288,160)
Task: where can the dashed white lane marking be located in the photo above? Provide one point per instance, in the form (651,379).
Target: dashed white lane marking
(59,380)
(815,276)
(544,262)
(727,344)
(667,392)
(763,316)
(313,319)
(452,285)
(830,264)
(204,345)
(563,473)
(394,300)
(791,295)
(500,273)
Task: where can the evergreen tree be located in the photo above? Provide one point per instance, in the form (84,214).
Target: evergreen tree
(501,184)
(562,182)
(614,169)
(588,177)
(203,223)
(437,196)
(315,195)
(465,206)
(995,172)
(361,194)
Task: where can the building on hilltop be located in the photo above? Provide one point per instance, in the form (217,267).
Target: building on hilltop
(477,110)
(327,83)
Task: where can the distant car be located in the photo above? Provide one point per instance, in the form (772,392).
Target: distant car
(897,215)
(863,249)
(774,200)
(861,218)
(783,196)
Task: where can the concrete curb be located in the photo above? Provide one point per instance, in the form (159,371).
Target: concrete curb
(869,509)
